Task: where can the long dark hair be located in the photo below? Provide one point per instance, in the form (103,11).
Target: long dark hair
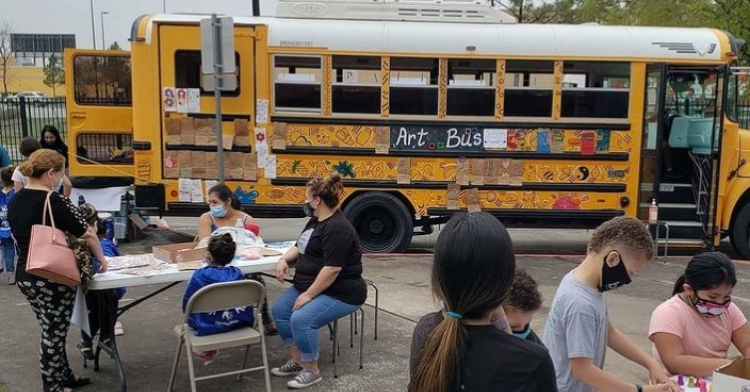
(706,271)
(59,143)
(472,274)
(225,194)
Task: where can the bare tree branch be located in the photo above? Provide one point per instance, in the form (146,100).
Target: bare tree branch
(6,53)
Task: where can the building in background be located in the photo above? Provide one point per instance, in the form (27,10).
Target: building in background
(31,52)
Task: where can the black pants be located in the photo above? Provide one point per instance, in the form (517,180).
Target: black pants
(264,312)
(52,304)
(94,302)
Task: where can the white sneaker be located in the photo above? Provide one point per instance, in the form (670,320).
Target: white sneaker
(11,278)
(305,379)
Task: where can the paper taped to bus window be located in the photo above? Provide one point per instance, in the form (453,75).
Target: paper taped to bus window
(403,171)
(602,141)
(212,165)
(452,196)
(172,126)
(462,175)
(227,140)
(187,131)
(558,141)
(472,200)
(202,131)
(241,133)
(279,136)
(261,107)
(250,167)
(171,164)
(186,163)
(382,140)
(478,170)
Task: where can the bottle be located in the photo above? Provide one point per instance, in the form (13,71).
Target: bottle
(5,230)
(239,232)
(81,200)
(653,212)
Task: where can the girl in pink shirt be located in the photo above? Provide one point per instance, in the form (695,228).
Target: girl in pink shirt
(692,331)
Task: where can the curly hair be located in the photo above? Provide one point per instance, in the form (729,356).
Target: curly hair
(329,189)
(524,293)
(222,249)
(629,233)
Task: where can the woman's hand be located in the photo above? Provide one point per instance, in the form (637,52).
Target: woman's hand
(302,300)
(103,266)
(282,269)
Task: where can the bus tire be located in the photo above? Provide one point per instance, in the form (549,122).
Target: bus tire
(383,222)
(740,236)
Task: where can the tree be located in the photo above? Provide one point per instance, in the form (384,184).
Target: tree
(54,73)
(115,46)
(529,11)
(6,53)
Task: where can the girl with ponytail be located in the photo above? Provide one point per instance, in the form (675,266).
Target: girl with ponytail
(467,346)
(692,331)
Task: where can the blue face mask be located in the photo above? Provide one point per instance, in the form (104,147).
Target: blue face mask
(219,211)
(523,334)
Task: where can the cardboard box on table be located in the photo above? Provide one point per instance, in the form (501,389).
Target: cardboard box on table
(175,253)
(734,377)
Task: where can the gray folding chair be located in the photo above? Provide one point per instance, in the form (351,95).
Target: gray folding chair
(219,297)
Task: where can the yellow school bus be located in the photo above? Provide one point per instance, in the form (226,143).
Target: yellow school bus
(427,109)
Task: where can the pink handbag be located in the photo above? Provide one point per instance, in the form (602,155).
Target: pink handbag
(50,256)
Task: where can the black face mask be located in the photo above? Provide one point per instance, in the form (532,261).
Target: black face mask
(307,208)
(614,277)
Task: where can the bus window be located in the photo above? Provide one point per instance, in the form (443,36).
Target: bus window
(102,80)
(691,93)
(528,88)
(356,84)
(297,83)
(414,83)
(471,91)
(595,89)
(187,72)
(104,148)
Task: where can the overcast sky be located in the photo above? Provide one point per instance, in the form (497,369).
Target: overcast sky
(74,16)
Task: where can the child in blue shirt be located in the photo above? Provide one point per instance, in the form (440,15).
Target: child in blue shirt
(7,245)
(221,250)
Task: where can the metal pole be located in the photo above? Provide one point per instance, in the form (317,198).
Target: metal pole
(93,25)
(164,6)
(104,41)
(218,70)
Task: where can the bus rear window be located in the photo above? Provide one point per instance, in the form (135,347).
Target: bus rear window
(104,148)
(102,80)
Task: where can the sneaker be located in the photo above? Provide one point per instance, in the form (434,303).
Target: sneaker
(270,329)
(86,349)
(11,278)
(287,370)
(208,357)
(118,329)
(305,379)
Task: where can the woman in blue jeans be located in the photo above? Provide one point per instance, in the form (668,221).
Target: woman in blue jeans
(328,281)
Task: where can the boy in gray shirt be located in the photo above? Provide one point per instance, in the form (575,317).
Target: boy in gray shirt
(578,330)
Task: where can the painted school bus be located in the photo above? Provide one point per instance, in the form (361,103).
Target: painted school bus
(426,109)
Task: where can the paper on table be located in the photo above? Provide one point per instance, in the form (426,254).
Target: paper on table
(185,185)
(190,265)
(271,166)
(495,138)
(194,100)
(129,261)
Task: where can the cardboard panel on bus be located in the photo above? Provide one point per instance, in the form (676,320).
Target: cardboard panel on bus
(734,377)
(179,252)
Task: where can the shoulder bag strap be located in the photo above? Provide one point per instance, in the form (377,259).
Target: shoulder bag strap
(48,209)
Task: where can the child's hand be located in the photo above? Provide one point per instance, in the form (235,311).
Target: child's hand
(657,374)
(103,266)
(662,388)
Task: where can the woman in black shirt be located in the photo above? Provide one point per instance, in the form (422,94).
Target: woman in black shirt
(328,281)
(52,140)
(51,302)
(466,347)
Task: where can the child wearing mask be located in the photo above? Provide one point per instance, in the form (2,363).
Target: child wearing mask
(7,244)
(523,301)
(692,331)
(578,330)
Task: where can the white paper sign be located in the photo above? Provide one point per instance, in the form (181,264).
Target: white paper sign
(495,138)
(210,184)
(261,146)
(182,100)
(185,186)
(194,100)
(170,99)
(196,191)
(261,114)
(270,166)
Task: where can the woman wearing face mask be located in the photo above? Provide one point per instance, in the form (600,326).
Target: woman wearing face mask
(328,281)
(226,210)
(692,331)
(51,302)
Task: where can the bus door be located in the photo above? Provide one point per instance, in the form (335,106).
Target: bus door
(99,113)
(193,107)
(651,143)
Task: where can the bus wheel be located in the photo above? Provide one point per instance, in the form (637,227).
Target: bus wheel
(740,236)
(383,222)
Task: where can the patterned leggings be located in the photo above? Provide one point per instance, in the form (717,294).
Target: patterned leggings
(52,304)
